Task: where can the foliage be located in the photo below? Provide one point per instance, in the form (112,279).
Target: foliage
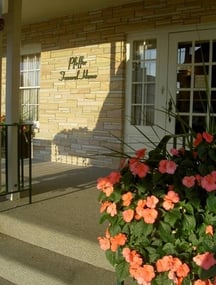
(160,208)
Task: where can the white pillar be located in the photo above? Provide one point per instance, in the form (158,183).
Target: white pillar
(13,25)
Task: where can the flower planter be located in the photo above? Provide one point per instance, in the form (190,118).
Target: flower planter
(160,209)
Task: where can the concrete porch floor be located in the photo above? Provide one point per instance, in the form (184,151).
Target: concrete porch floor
(63,217)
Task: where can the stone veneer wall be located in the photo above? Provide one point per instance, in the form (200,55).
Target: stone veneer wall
(79,117)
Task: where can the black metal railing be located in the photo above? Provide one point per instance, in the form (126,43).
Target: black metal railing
(24,133)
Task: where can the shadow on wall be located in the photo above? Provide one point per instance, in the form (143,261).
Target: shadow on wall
(84,146)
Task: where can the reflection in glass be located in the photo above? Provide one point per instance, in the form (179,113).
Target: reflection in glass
(201,52)
(137,94)
(184,77)
(200,102)
(183,101)
(184,52)
(143,82)
(199,124)
(181,126)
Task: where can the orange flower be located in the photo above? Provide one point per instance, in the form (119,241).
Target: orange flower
(118,240)
(127,197)
(112,210)
(209,230)
(132,257)
(104,184)
(104,243)
(169,200)
(182,270)
(104,206)
(145,274)
(128,215)
(151,201)
(202,282)
(164,264)
(150,215)
(140,208)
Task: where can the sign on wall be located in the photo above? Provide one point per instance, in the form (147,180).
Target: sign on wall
(77,64)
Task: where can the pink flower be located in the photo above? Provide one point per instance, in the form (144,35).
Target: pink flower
(167,166)
(208,182)
(114,177)
(198,139)
(138,168)
(188,181)
(140,153)
(208,137)
(205,260)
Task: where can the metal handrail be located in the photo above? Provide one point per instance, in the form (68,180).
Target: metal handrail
(23,160)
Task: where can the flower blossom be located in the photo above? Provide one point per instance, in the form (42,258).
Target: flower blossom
(198,139)
(104,184)
(146,210)
(143,274)
(170,199)
(112,243)
(207,137)
(116,241)
(208,182)
(140,153)
(205,260)
(151,201)
(128,215)
(114,177)
(112,209)
(126,198)
(132,257)
(167,166)
(202,282)
(189,181)
(138,168)
(209,230)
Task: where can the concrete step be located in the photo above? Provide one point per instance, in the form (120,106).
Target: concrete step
(25,264)
(54,241)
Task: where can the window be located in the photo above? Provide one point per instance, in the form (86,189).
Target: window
(29,87)
(143,82)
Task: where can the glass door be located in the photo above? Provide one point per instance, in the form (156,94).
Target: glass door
(192,80)
(145,93)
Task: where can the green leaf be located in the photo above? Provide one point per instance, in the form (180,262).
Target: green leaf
(142,229)
(188,223)
(164,230)
(162,279)
(211,202)
(122,270)
(169,248)
(152,255)
(172,216)
(111,257)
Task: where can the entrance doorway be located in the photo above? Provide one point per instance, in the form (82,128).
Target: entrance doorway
(169,73)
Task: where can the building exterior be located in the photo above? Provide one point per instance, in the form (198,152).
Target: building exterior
(94,80)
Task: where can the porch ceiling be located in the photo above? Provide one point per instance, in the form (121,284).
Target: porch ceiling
(42,10)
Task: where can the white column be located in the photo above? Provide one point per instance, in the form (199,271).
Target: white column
(13,25)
